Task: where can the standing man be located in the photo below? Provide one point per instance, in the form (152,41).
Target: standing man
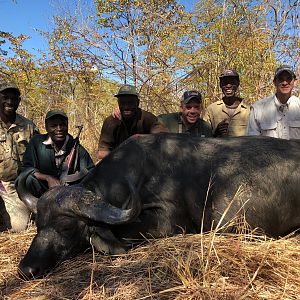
(188,119)
(229,116)
(277,115)
(46,155)
(133,121)
(15,132)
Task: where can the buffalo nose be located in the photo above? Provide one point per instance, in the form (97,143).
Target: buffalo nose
(27,273)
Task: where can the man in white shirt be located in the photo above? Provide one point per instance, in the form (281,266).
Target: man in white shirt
(277,115)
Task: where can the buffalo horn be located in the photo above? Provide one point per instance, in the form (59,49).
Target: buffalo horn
(101,211)
(23,193)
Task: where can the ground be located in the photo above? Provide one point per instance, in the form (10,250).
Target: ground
(208,266)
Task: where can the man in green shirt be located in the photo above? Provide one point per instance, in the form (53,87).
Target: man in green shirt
(188,119)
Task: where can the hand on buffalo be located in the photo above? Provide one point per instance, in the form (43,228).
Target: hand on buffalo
(222,129)
(102,153)
(51,181)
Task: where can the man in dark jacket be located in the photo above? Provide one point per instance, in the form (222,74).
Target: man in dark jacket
(133,120)
(46,154)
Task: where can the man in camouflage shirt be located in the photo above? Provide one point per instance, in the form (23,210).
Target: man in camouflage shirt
(15,132)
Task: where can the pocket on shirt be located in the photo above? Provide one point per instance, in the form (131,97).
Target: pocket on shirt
(294,123)
(3,152)
(266,126)
(22,141)
(237,128)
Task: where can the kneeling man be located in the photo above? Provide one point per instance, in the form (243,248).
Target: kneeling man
(47,154)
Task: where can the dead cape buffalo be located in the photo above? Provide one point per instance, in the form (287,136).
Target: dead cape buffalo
(159,185)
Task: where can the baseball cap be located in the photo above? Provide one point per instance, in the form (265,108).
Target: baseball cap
(127,89)
(52,113)
(9,85)
(189,95)
(284,68)
(229,73)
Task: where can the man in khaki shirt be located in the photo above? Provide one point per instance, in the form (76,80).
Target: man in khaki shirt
(229,116)
(15,132)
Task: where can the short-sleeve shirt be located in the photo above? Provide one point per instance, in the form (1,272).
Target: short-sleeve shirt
(175,124)
(115,131)
(13,143)
(238,121)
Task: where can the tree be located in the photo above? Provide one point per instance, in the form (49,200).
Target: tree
(145,42)
(232,34)
(74,78)
(157,46)
(284,24)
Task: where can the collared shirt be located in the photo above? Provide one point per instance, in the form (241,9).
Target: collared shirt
(39,157)
(271,118)
(13,142)
(175,123)
(59,154)
(238,120)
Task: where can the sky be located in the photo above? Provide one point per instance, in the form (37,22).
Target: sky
(25,16)
(29,16)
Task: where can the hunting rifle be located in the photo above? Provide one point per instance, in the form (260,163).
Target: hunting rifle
(70,171)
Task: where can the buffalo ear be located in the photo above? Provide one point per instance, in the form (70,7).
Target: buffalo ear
(104,241)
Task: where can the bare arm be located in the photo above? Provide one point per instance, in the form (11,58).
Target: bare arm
(222,129)
(117,113)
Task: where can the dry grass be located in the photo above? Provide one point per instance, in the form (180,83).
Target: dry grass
(183,267)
